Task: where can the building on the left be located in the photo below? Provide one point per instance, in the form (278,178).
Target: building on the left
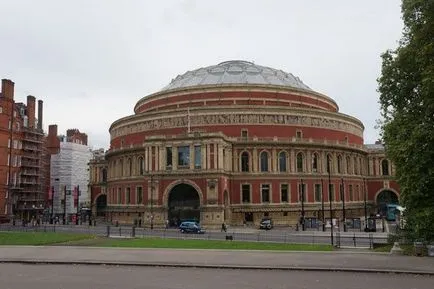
(24,156)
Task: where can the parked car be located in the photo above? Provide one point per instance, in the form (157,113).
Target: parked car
(190,227)
(266,224)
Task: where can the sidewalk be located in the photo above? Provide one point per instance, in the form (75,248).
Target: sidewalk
(313,261)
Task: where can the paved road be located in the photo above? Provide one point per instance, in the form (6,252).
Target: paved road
(18,276)
(350,239)
(219,258)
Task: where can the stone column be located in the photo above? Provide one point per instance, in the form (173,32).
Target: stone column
(293,161)
(308,161)
(221,161)
(191,147)
(274,161)
(174,158)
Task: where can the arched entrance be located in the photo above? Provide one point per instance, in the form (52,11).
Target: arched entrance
(101,204)
(183,204)
(384,198)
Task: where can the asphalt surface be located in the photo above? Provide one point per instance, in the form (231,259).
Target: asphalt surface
(343,239)
(18,276)
(260,260)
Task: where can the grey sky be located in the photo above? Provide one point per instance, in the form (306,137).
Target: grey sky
(90,61)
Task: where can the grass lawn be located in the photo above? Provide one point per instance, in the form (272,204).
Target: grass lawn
(39,238)
(209,244)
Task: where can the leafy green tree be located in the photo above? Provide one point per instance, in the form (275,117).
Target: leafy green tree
(406,87)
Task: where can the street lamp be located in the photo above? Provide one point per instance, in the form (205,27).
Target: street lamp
(322,205)
(343,204)
(330,200)
(365,204)
(152,200)
(302,205)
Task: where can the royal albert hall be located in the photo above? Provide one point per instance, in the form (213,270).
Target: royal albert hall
(236,142)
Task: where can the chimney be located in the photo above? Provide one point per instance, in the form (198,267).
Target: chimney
(31,110)
(52,130)
(7,89)
(40,110)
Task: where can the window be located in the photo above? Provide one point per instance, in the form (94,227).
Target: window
(139,195)
(298,134)
(331,192)
(318,193)
(183,156)
(284,194)
(302,192)
(128,196)
(244,134)
(341,192)
(350,192)
(282,162)
(141,166)
(104,175)
(299,163)
(264,161)
(130,167)
(265,193)
(168,157)
(245,191)
(385,167)
(119,195)
(339,164)
(349,165)
(315,162)
(329,164)
(198,157)
(356,167)
(245,162)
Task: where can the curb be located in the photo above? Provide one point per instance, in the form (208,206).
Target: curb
(214,266)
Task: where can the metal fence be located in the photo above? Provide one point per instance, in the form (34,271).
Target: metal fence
(340,239)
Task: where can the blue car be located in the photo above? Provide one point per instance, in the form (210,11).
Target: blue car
(190,227)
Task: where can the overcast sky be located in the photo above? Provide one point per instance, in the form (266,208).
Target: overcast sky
(90,61)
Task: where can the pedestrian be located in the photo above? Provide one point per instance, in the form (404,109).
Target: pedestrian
(167,224)
(223,227)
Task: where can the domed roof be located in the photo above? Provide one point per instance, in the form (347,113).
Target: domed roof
(236,72)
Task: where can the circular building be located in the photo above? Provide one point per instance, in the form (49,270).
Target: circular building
(236,142)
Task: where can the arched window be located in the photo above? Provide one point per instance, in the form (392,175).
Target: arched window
(245,162)
(329,163)
(264,161)
(129,167)
(356,166)
(385,167)
(339,164)
(141,165)
(282,162)
(121,168)
(349,171)
(314,162)
(299,164)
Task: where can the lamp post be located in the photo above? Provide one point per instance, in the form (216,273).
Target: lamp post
(343,204)
(365,205)
(330,201)
(322,205)
(152,201)
(302,205)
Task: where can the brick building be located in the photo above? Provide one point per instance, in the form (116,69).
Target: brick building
(24,172)
(236,142)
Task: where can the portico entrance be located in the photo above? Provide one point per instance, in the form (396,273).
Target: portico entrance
(183,204)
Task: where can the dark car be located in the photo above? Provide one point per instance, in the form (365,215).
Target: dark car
(266,224)
(191,227)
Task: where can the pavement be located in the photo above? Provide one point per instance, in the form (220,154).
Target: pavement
(344,261)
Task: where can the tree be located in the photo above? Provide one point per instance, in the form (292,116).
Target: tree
(406,87)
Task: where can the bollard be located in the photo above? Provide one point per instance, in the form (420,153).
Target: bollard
(108,231)
(120,231)
(133,232)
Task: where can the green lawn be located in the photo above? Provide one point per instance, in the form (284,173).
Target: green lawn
(209,244)
(39,238)
(65,239)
